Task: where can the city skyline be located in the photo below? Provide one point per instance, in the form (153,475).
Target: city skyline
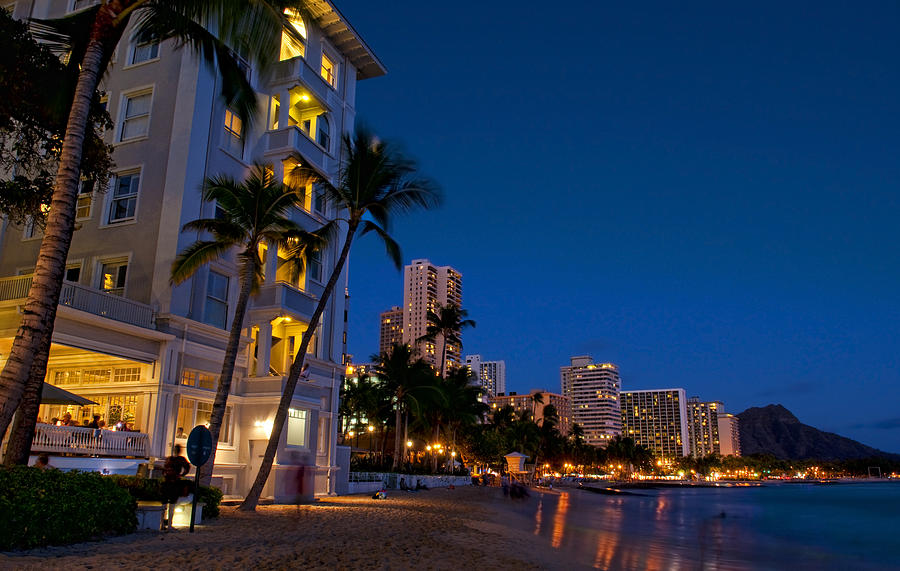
(706,196)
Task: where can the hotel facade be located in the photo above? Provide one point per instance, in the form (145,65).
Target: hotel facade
(703,426)
(658,420)
(592,390)
(424,287)
(391,330)
(149,353)
(490,375)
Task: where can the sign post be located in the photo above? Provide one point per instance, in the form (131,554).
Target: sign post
(199,449)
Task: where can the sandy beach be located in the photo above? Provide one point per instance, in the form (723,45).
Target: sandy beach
(435,529)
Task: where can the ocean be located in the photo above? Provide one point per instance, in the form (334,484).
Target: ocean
(781,526)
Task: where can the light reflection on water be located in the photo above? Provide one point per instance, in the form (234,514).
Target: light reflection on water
(778,527)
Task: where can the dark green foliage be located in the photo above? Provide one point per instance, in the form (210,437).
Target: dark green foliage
(35,96)
(51,507)
(150,490)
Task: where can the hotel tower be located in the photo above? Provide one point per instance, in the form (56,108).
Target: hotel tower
(424,287)
(592,390)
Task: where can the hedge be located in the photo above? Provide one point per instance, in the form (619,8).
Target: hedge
(51,507)
(145,489)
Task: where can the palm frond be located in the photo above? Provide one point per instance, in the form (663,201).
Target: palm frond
(194,256)
(224,230)
(392,248)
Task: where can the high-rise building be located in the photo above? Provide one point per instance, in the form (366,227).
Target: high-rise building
(703,426)
(491,375)
(391,329)
(424,287)
(657,419)
(149,354)
(593,393)
(729,434)
(534,407)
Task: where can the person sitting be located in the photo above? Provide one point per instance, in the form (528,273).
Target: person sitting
(420,485)
(403,485)
(42,462)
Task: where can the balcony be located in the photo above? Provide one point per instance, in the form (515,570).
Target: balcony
(292,139)
(283,295)
(89,441)
(288,72)
(84,299)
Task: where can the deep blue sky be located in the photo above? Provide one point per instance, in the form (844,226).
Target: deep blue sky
(706,195)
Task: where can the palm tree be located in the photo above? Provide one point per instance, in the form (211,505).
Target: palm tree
(407,380)
(536,398)
(375,182)
(253,212)
(463,402)
(89,38)
(447,323)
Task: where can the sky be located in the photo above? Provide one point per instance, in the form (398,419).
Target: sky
(705,194)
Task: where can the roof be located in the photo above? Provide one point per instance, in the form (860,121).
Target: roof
(346,39)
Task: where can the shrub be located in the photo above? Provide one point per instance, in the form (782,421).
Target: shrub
(51,507)
(150,490)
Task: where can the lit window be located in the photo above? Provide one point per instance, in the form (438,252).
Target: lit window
(216,300)
(124,198)
(296,427)
(145,51)
(112,277)
(136,116)
(329,71)
(234,134)
(293,42)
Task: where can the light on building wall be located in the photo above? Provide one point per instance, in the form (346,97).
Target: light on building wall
(409,443)
(266,425)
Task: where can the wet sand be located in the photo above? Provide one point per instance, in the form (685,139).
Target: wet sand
(435,529)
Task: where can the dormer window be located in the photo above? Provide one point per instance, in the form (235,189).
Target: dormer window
(293,39)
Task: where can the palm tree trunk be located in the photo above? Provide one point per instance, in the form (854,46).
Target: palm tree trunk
(397,424)
(444,358)
(43,296)
(252,499)
(19,448)
(224,388)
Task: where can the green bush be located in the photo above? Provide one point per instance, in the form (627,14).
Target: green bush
(51,507)
(150,490)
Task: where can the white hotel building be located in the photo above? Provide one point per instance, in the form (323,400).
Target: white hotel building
(592,390)
(149,353)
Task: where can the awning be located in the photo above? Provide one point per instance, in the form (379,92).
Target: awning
(55,395)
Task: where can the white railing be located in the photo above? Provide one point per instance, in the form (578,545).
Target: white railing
(77,440)
(86,299)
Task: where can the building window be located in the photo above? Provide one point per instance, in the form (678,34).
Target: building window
(136,116)
(73,272)
(199,379)
(124,197)
(323,132)
(112,277)
(82,4)
(293,42)
(296,427)
(314,265)
(319,199)
(216,300)
(29,230)
(85,199)
(234,134)
(193,413)
(329,71)
(144,51)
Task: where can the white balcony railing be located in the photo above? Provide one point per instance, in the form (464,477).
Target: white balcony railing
(95,442)
(86,299)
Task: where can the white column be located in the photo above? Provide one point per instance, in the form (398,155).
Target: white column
(263,349)
(284,98)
